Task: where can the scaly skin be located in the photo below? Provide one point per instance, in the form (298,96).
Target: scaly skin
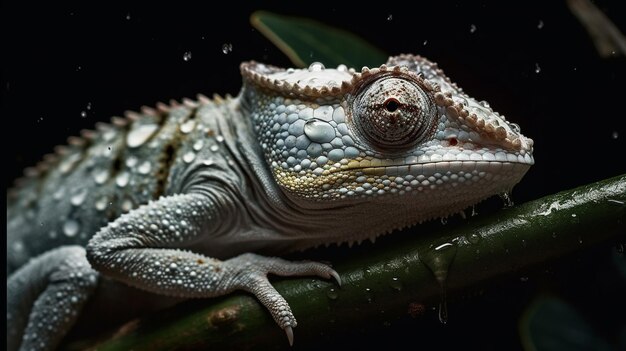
(182,200)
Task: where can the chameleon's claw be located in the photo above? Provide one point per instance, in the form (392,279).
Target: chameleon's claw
(335,275)
(289,332)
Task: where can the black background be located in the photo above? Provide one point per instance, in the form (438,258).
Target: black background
(58,58)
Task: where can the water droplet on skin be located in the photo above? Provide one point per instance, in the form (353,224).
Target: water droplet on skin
(332,294)
(79,197)
(189,157)
(140,134)
(316,67)
(198,145)
(473,28)
(506,199)
(319,131)
(144,168)
(615,135)
(537,68)
(188,126)
(122,179)
(389,17)
(227,48)
(70,227)
(58,195)
(187,56)
(101,204)
(396,284)
(540,24)
(127,205)
(101,176)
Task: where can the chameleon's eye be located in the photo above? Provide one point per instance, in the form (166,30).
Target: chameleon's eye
(394,112)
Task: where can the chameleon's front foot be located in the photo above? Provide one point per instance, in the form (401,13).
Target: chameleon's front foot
(250,274)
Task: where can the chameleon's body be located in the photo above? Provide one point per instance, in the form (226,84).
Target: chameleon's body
(299,158)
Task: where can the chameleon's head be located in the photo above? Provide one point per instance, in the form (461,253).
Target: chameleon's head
(402,133)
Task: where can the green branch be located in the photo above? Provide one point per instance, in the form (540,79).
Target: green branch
(396,276)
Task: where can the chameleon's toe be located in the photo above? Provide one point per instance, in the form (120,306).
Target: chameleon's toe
(289,332)
(251,275)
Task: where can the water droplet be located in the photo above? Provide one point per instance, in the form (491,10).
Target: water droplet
(214,148)
(473,28)
(506,199)
(88,106)
(332,294)
(438,260)
(101,204)
(580,239)
(396,284)
(615,134)
(122,179)
(554,235)
(58,195)
(207,162)
(389,17)
(524,244)
(70,227)
(444,220)
(131,161)
(368,295)
(83,114)
(79,197)
(144,168)
(140,134)
(187,55)
(78,68)
(188,126)
(128,16)
(425,42)
(523,279)
(189,156)
(127,205)
(537,68)
(573,215)
(316,67)
(515,127)
(540,24)
(474,213)
(443,306)
(198,145)
(473,238)
(319,131)
(227,48)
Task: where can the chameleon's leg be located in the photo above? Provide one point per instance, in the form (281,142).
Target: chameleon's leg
(45,297)
(140,248)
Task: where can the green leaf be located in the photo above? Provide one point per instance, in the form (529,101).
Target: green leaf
(306,41)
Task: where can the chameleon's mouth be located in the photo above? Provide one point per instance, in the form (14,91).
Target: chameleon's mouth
(440,168)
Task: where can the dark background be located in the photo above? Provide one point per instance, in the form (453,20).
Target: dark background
(60,58)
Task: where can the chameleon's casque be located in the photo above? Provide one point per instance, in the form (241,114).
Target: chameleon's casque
(181,200)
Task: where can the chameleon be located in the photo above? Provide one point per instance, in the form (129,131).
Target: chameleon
(196,199)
